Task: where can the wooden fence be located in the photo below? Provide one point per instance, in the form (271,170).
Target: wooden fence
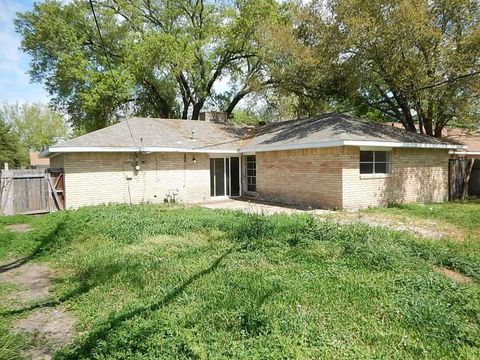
(463,172)
(33,191)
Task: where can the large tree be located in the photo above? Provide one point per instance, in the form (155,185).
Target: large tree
(10,147)
(411,61)
(36,126)
(155,57)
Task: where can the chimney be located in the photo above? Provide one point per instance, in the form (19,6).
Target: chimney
(214,117)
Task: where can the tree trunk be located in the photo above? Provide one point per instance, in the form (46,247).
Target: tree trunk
(438,130)
(197,107)
(427,121)
(162,104)
(235,102)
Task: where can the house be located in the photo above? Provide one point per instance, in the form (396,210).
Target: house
(38,163)
(330,161)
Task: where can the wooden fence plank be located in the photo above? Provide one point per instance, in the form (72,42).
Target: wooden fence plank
(30,192)
(54,192)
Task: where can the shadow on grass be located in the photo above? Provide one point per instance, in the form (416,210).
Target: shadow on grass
(85,348)
(49,303)
(44,241)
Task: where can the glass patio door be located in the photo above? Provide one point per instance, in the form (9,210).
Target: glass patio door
(217,177)
(225,176)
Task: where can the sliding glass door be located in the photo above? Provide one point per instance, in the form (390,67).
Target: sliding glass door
(225,176)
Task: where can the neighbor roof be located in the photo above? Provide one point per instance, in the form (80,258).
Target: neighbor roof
(470,138)
(172,135)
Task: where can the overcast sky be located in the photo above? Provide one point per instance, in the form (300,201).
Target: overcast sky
(14,79)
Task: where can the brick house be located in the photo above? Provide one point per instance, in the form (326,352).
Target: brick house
(331,161)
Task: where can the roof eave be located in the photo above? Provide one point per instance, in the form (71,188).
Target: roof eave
(52,151)
(335,143)
(129,149)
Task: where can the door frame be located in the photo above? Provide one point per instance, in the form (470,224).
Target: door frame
(224,157)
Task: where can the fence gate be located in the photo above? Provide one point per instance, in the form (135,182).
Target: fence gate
(31,191)
(458,170)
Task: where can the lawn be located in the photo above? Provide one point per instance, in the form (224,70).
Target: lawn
(150,282)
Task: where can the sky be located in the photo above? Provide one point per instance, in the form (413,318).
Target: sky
(15,82)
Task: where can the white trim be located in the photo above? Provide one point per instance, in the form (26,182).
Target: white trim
(375,148)
(465,152)
(81,149)
(258,148)
(223,155)
(375,176)
(360,143)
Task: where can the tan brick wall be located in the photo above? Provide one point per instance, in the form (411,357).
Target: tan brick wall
(311,177)
(57,161)
(100,178)
(417,175)
(330,178)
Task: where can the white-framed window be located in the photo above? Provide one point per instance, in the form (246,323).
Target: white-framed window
(251,167)
(374,162)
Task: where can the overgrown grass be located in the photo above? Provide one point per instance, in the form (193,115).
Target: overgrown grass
(150,282)
(463,214)
(460,253)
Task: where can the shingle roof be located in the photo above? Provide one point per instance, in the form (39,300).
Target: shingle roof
(334,127)
(201,136)
(164,133)
(469,138)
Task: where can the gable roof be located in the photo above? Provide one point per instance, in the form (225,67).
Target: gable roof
(171,135)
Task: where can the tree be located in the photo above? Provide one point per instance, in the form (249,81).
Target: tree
(416,62)
(36,126)
(9,147)
(155,58)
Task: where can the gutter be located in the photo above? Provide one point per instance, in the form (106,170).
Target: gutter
(360,143)
(52,151)
(465,152)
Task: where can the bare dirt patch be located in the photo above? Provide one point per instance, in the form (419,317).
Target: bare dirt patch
(251,206)
(19,227)
(453,275)
(49,328)
(32,280)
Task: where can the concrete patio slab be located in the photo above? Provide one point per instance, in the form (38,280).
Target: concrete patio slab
(259,207)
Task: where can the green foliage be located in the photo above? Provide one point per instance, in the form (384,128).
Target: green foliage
(360,53)
(172,282)
(245,117)
(161,58)
(10,150)
(35,125)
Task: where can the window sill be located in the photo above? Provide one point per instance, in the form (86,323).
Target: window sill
(374,176)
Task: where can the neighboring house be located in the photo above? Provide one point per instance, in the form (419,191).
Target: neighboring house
(469,138)
(330,161)
(38,163)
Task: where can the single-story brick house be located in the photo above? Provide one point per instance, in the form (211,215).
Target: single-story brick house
(331,161)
